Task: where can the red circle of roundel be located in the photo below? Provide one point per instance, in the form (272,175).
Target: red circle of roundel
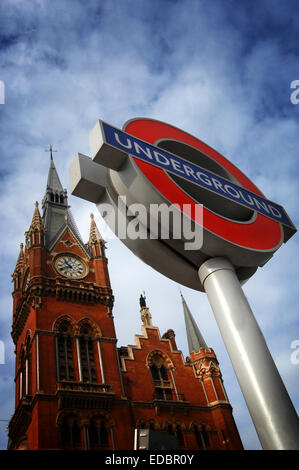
(260,234)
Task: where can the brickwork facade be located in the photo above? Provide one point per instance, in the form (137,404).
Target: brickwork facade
(75,389)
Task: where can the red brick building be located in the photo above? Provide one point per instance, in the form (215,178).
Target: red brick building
(75,389)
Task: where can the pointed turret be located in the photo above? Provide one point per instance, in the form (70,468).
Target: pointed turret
(56,211)
(194,336)
(20,263)
(204,361)
(96,246)
(94,234)
(37,224)
(35,234)
(95,243)
(17,276)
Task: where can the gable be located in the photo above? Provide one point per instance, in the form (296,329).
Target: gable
(66,240)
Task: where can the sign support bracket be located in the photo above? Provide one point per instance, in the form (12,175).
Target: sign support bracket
(268,402)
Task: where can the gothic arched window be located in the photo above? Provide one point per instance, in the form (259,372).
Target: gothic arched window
(25,368)
(179,435)
(27,364)
(160,378)
(64,344)
(205,437)
(170,430)
(70,434)
(97,433)
(87,361)
(22,376)
(202,437)
(155,372)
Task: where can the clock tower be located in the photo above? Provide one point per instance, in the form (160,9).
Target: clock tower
(64,334)
(74,388)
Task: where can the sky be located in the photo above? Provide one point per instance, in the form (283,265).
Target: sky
(219,70)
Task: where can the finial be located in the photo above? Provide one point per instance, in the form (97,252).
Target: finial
(51,151)
(36,203)
(92,216)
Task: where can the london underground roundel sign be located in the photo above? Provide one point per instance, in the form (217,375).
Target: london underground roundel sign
(152,163)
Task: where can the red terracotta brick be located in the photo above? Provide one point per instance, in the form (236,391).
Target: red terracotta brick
(197,396)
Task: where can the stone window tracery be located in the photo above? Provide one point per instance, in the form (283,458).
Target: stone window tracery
(97,434)
(201,436)
(160,377)
(70,433)
(64,344)
(25,368)
(87,360)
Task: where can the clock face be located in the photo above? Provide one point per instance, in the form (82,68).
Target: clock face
(70,266)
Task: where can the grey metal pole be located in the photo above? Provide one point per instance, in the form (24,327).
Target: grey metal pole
(269,404)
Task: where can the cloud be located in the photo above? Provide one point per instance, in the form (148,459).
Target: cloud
(218,71)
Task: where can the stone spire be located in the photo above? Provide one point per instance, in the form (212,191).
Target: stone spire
(194,336)
(54,190)
(56,211)
(53,182)
(94,234)
(20,262)
(37,222)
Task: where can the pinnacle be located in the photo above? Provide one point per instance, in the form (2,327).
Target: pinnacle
(146,316)
(94,234)
(20,262)
(36,223)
